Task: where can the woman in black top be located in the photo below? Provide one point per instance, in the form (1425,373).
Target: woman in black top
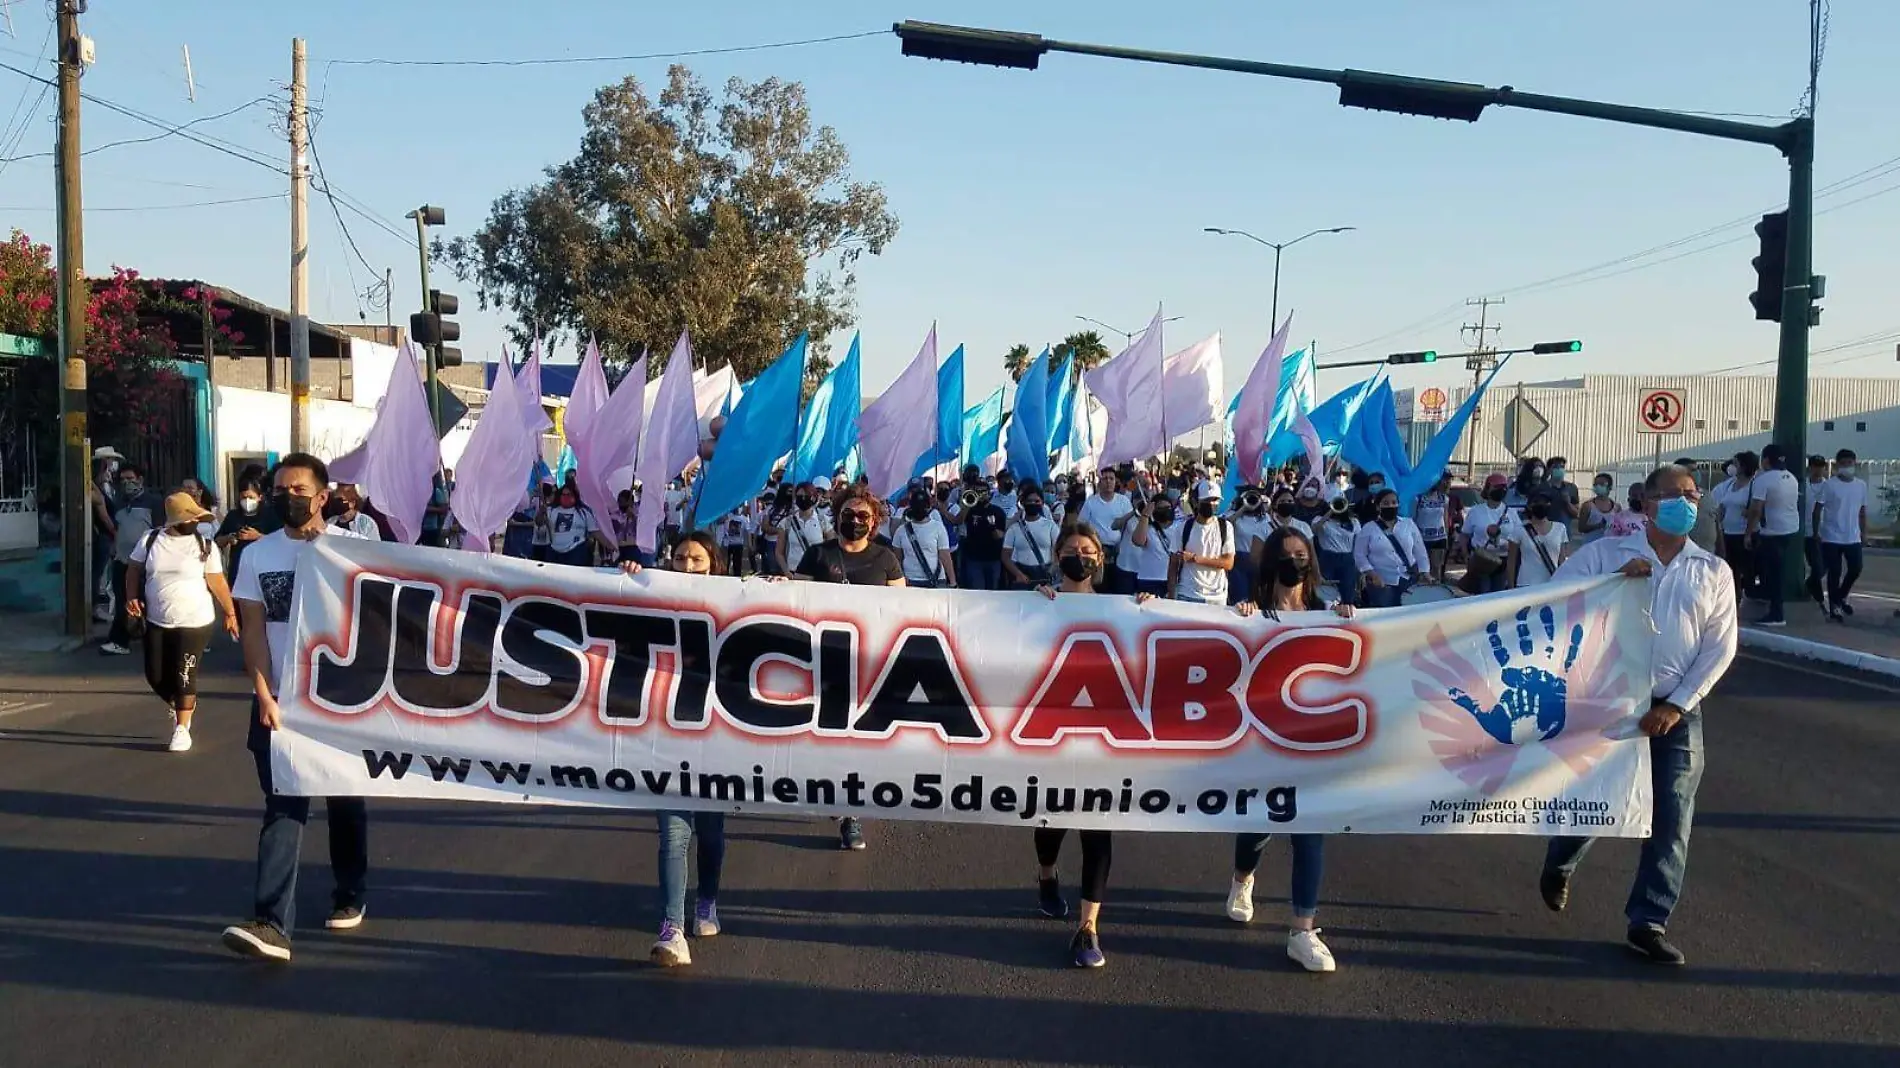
(1289,583)
(250,519)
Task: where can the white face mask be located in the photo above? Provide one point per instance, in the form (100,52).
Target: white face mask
(1845,472)
(248,504)
(1729,470)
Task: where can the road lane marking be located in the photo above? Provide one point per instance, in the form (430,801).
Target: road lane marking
(8,708)
(1816,672)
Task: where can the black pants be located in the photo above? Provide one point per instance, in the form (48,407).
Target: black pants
(1771,562)
(735,560)
(121,632)
(1098,853)
(1741,562)
(171,662)
(1838,587)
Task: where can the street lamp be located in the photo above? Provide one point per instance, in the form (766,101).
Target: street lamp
(1127,338)
(1278,247)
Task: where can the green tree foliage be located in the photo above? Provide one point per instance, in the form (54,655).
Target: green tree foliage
(1016,361)
(733,217)
(1088,348)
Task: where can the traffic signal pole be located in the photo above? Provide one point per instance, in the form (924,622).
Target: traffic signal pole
(428,351)
(299,259)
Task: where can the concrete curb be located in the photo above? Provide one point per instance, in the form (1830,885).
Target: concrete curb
(1872,663)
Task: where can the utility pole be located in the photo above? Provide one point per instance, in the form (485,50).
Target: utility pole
(299,259)
(1483,357)
(389,300)
(73,293)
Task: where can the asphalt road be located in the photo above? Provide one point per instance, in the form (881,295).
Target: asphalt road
(518,936)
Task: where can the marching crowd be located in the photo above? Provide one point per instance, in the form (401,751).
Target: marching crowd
(1292,544)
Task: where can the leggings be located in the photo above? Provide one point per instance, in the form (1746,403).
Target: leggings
(1097,854)
(1308,863)
(1741,562)
(171,662)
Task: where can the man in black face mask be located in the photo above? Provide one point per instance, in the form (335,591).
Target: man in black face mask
(980,551)
(265,586)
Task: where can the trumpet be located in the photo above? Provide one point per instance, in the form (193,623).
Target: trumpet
(1250,500)
(972,497)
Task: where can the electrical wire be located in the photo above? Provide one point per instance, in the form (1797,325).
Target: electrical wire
(568,60)
(146,140)
(169,207)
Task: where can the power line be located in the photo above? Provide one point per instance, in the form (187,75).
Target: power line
(7,136)
(168,207)
(148,140)
(570,60)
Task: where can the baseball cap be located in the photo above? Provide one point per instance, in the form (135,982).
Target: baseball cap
(1208,491)
(1495,479)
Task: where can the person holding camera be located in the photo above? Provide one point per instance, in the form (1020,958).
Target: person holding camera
(1490,528)
(922,541)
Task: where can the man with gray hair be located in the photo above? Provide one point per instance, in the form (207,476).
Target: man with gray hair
(1692,609)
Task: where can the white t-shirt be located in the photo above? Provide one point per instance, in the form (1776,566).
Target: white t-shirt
(676,507)
(800,533)
(1485,514)
(1780,494)
(1026,538)
(1198,581)
(1841,503)
(931,538)
(1249,529)
(1733,500)
(732,530)
(568,528)
(175,591)
(1335,534)
(267,574)
(1005,501)
(1530,566)
(1102,514)
(1430,516)
(1151,560)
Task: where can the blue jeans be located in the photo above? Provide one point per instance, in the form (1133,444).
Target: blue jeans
(1338,569)
(1309,862)
(979,574)
(1676,764)
(280,842)
(676,828)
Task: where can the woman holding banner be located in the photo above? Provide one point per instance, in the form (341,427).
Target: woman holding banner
(1079,558)
(696,554)
(1292,583)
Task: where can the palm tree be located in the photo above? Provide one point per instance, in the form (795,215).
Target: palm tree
(1016,361)
(1087,347)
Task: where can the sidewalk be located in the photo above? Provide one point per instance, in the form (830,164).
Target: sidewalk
(1868,641)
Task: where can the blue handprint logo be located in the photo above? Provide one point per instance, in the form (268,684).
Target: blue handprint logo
(1533,703)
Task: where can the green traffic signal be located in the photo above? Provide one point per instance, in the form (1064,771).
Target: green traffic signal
(1412,357)
(1547,348)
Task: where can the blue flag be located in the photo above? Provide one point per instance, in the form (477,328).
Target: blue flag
(983,428)
(1333,419)
(949,444)
(1431,462)
(1368,446)
(1061,409)
(1027,443)
(762,428)
(829,427)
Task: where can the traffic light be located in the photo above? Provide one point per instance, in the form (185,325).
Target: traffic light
(1771,267)
(1548,348)
(1427,356)
(431,328)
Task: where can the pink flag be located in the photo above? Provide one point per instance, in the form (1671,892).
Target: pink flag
(530,386)
(608,440)
(1315,456)
(494,465)
(1192,382)
(713,394)
(901,425)
(672,442)
(588,397)
(401,455)
(1254,412)
(1129,387)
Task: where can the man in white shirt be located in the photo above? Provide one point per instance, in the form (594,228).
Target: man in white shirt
(1110,513)
(1840,521)
(1207,551)
(1774,521)
(264,590)
(803,529)
(1692,608)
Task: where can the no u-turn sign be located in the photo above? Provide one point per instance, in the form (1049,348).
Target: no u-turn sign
(1662,411)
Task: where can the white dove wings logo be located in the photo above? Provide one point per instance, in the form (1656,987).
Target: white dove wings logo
(1556,686)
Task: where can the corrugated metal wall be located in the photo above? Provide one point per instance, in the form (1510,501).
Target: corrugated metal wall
(1593,420)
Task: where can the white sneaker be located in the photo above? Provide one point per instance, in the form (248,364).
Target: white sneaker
(1240,900)
(115,649)
(670,951)
(1311,953)
(181,740)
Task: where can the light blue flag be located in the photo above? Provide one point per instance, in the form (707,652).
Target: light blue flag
(949,444)
(1061,408)
(983,428)
(563,465)
(762,428)
(1431,462)
(829,427)
(1368,447)
(1027,442)
(1333,419)
(853,465)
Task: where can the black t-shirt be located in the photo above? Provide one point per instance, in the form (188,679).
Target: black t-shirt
(265,521)
(983,533)
(874,565)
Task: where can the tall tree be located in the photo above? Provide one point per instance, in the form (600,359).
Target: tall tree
(733,218)
(1089,350)
(1016,361)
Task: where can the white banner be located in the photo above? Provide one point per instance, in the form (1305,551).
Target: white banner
(545,684)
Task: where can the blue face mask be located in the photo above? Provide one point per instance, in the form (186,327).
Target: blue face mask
(1676,516)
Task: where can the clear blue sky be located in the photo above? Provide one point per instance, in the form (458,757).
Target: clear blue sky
(1027,198)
